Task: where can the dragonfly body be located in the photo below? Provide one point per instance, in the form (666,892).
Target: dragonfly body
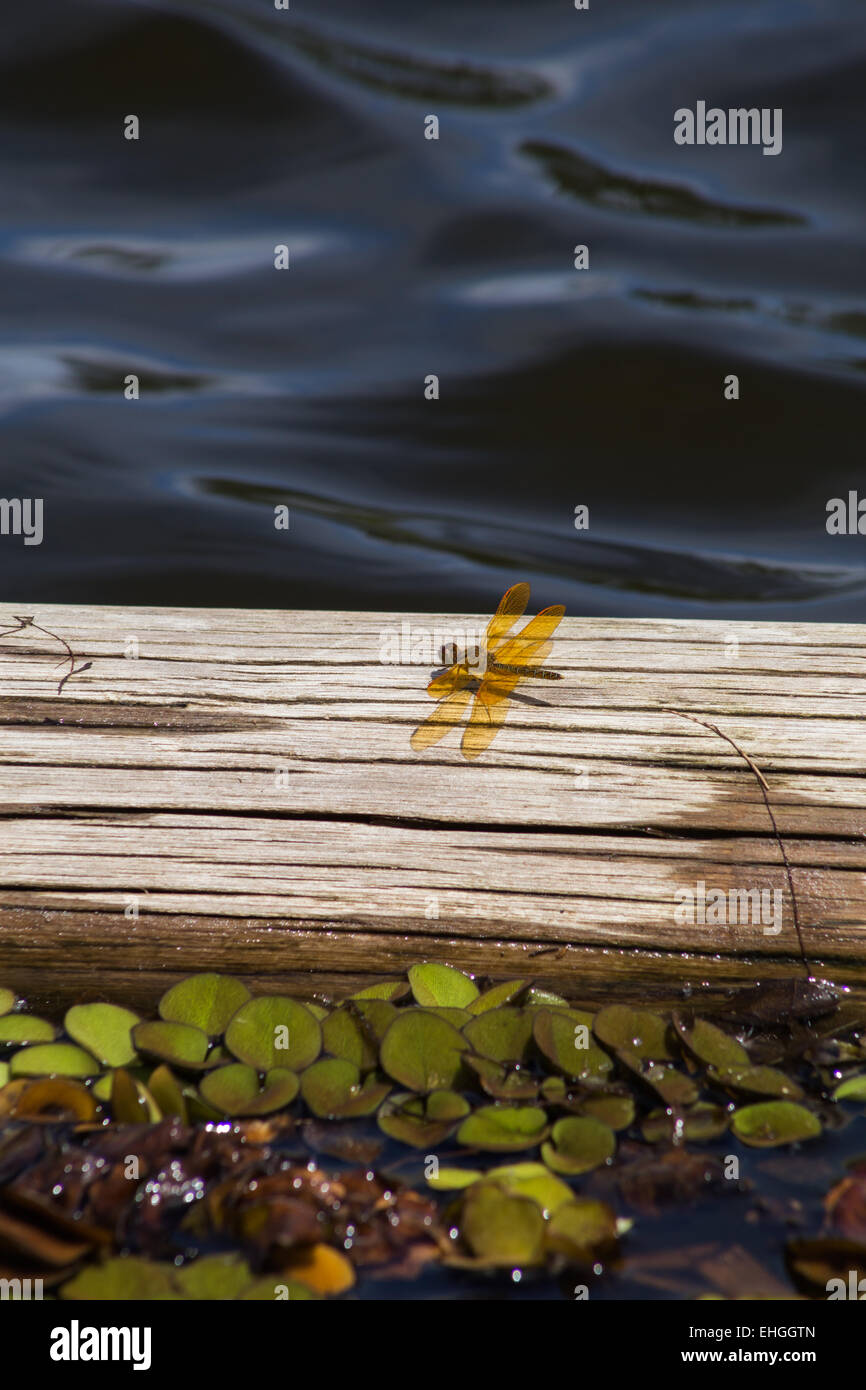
(508,661)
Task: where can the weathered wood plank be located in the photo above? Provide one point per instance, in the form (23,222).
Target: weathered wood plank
(245,784)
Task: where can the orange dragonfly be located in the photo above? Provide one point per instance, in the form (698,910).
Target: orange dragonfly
(509,660)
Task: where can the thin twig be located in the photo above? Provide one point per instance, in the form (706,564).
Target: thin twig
(28,623)
(762,783)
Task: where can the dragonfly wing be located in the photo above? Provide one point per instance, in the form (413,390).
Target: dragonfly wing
(512,606)
(446,682)
(447,714)
(525,648)
(489,712)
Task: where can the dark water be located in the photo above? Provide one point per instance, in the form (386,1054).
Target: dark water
(455,257)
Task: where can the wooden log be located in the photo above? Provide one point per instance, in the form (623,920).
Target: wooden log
(235,790)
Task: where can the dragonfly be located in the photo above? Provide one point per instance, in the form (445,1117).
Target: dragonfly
(510,659)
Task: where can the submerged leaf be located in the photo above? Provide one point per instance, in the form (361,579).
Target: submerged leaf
(452,1179)
(852,1089)
(582,1228)
(126,1278)
(322,1268)
(55,1099)
(213,1277)
(501,1228)
(533,1180)
(578,1145)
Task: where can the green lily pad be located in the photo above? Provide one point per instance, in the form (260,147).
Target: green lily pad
(774,1122)
(274,1031)
(344,1035)
(126,1278)
(758,1081)
(582,1228)
(502,1229)
(317,1010)
(234,1089)
(332,1089)
(699,1124)
(503,1034)
(166,1090)
(25,1028)
(180,1044)
(207,1001)
(4,1074)
(710,1044)
(557,1034)
(434,984)
(497,995)
(105,1030)
(852,1089)
(53,1059)
(8,999)
(453,1179)
(635,1031)
(422,1052)
(388,989)
(422,1121)
(503,1127)
(533,1180)
(578,1145)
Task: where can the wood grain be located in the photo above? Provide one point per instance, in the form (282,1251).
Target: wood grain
(235,790)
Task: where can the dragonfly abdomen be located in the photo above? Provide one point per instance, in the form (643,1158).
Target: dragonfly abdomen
(536,672)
